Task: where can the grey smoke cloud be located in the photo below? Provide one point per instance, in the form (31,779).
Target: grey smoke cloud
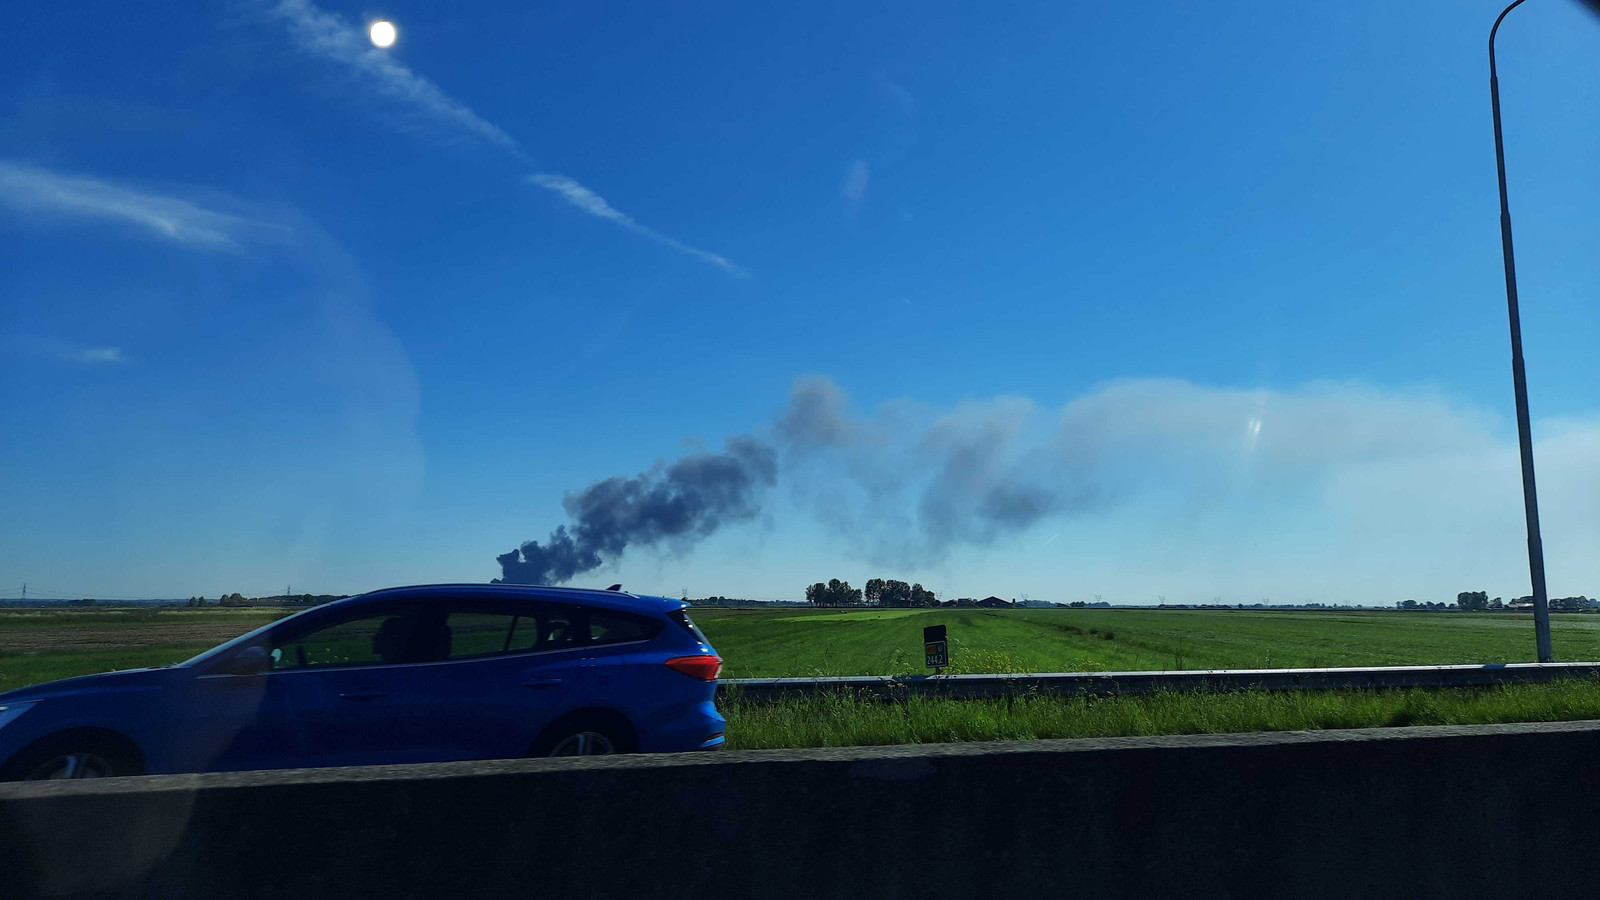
(906,484)
(816,415)
(979,489)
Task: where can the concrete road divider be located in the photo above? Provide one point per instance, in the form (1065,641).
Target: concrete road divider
(1491,811)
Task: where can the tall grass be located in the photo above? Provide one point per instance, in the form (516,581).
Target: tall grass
(842,720)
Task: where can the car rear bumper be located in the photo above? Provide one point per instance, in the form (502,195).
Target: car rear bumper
(692,726)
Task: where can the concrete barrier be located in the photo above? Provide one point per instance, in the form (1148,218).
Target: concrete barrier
(1502,811)
(1077,684)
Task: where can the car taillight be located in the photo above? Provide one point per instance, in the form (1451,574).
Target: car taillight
(705,668)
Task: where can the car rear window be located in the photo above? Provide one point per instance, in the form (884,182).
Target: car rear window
(681,616)
(618,628)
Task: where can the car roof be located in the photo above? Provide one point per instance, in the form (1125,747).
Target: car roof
(619,600)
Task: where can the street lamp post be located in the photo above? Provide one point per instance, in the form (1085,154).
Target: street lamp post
(1530,494)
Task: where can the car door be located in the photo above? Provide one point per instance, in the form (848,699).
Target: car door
(508,669)
(354,680)
(626,670)
(226,721)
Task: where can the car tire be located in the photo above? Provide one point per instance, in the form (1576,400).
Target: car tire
(73,756)
(585,736)
(584,743)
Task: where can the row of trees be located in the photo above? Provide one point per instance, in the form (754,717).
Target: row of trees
(237,599)
(735,602)
(1479,601)
(834,593)
(233,599)
(1426,604)
(878,592)
(899,594)
(1468,601)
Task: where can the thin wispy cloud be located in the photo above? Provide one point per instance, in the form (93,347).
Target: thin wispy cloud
(897,95)
(41,348)
(854,188)
(595,205)
(324,34)
(32,190)
(95,356)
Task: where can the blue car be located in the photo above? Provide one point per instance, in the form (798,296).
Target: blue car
(416,674)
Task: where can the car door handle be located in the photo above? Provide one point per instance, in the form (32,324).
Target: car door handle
(541,682)
(364,695)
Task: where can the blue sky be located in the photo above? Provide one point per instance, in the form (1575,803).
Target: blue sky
(1221,280)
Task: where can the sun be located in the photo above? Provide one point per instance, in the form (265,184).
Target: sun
(382,33)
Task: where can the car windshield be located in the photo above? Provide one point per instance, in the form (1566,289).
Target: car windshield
(250,638)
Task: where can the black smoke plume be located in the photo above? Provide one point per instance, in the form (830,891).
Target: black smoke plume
(687,499)
(901,486)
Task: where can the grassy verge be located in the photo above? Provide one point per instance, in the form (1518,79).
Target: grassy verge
(844,721)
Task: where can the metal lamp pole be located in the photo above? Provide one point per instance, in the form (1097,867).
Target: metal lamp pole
(1530,494)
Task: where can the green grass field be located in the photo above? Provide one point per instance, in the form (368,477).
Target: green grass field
(764,643)
(40,645)
(46,644)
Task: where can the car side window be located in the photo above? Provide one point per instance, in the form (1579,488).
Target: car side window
(471,633)
(619,628)
(372,640)
(553,627)
(479,633)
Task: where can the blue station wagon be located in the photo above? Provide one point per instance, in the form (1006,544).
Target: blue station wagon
(405,675)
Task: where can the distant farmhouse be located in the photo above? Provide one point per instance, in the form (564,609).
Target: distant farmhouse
(995,603)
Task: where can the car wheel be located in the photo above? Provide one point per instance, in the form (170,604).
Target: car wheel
(74,755)
(584,743)
(71,765)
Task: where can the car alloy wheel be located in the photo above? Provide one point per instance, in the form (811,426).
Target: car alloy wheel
(72,765)
(584,743)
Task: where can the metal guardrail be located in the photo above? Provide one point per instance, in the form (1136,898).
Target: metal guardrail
(1077,684)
